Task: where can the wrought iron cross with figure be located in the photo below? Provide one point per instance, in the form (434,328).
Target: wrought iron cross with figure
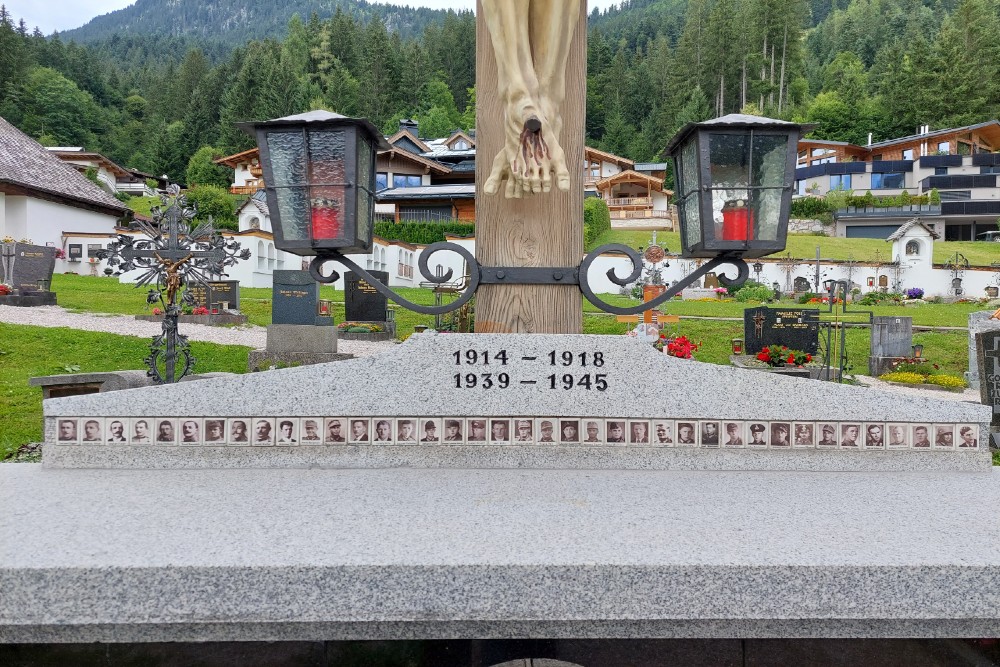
(173,255)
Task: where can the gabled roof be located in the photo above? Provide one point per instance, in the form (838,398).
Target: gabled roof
(409,135)
(907,226)
(631,176)
(27,167)
(604,156)
(458,134)
(257,201)
(234,160)
(71,154)
(435,167)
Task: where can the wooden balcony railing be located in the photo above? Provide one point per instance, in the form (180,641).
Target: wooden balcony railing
(256,171)
(630,201)
(243,189)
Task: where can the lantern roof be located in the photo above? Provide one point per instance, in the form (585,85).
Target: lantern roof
(735,120)
(318,116)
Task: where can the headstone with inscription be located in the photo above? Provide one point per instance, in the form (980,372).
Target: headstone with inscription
(795,328)
(891,340)
(220,294)
(298,335)
(362,302)
(988,356)
(295,299)
(801,284)
(979,322)
(27,269)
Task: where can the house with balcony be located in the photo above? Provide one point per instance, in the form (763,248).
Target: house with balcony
(961,164)
(110,176)
(433,180)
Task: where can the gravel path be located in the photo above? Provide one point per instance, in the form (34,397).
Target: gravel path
(126,325)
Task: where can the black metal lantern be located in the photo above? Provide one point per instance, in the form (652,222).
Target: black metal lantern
(319,176)
(734,178)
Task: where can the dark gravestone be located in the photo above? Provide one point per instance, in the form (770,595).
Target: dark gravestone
(362,302)
(795,328)
(988,356)
(295,299)
(891,340)
(802,284)
(217,292)
(27,268)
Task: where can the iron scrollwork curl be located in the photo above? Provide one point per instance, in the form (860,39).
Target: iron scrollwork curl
(742,273)
(315,269)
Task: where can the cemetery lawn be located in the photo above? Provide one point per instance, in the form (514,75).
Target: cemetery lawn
(947,349)
(28,351)
(803,246)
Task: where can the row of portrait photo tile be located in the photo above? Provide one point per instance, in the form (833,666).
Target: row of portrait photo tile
(514,430)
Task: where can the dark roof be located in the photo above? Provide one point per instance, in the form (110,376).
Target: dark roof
(456,191)
(465,166)
(26,163)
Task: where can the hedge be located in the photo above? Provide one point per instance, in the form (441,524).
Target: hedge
(423,232)
(596,219)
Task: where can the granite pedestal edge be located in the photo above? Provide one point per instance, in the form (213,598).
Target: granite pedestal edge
(509,456)
(142,556)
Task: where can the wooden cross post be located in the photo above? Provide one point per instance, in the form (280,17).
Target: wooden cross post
(538,230)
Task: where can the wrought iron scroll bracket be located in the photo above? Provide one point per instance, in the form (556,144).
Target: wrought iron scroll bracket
(520,275)
(742,273)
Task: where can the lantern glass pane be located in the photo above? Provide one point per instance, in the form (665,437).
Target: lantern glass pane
(327,178)
(689,166)
(729,164)
(770,155)
(766,213)
(288,167)
(692,220)
(366,185)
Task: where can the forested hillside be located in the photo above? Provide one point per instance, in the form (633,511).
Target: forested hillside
(854,67)
(235,22)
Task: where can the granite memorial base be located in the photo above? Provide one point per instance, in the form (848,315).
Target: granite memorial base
(226,319)
(297,345)
(28,300)
(498,487)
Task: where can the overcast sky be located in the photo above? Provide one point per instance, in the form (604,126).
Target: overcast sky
(50,15)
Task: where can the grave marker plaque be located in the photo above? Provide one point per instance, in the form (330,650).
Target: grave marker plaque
(362,302)
(27,268)
(795,328)
(988,353)
(217,292)
(296,299)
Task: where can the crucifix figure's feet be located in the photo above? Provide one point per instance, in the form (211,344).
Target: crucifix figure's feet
(531,156)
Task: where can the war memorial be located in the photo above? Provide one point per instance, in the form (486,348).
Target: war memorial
(523,493)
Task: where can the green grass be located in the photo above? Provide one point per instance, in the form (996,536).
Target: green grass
(27,351)
(803,246)
(143,205)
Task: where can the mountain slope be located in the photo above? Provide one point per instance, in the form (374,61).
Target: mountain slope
(237,21)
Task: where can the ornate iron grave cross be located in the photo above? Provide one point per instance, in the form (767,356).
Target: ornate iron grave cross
(174,255)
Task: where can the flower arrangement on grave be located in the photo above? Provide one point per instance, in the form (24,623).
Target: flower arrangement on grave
(200,310)
(7,239)
(157,311)
(778,356)
(681,347)
(60,253)
(360,327)
(914,293)
(5,289)
(721,291)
